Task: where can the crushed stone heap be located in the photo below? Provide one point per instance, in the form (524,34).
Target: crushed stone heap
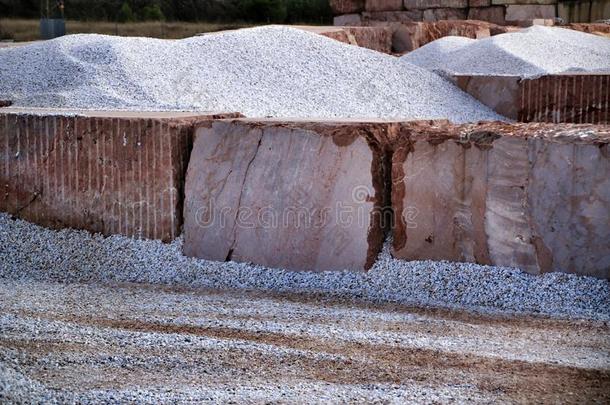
(532,52)
(266,71)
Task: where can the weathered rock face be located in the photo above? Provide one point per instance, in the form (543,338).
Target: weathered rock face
(346,6)
(437,14)
(562,98)
(523,12)
(296,195)
(376,38)
(410,36)
(532,196)
(425,4)
(494,15)
(111,173)
(382,5)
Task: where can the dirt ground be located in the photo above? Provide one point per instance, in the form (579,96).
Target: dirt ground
(150,344)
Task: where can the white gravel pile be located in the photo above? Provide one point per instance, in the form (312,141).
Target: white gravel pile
(34,253)
(266,71)
(535,51)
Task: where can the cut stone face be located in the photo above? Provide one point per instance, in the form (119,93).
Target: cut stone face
(296,195)
(529,12)
(494,15)
(437,14)
(346,6)
(532,196)
(424,4)
(561,98)
(383,5)
(113,173)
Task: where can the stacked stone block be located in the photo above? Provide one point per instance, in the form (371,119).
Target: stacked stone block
(501,12)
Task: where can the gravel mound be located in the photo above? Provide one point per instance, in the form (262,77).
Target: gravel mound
(535,51)
(34,253)
(265,71)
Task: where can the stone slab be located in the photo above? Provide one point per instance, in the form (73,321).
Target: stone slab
(386,18)
(107,172)
(532,196)
(383,5)
(289,194)
(494,14)
(529,12)
(347,20)
(479,3)
(408,37)
(529,2)
(425,4)
(438,14)
(346,6)
(563,98)
(376,38)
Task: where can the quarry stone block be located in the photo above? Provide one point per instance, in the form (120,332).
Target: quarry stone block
(347,20)
(295,195)
(479,3)
(494,14)
(437,14)
(532,196)
(562,98)
(410,36)
(382,18)
(113,173)
(526,12)
(425,4)
(346,6)
(529,2)
(383,5)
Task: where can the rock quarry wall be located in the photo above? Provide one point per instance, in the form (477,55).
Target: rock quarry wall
(414,23)
(533,196)
(502,12)
(319,195)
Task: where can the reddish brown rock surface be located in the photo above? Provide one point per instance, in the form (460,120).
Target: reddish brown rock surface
(493,15)
(533,196)
(562,98)
(410,36)
(346,6)
(296,195)
(113,173)
(376,38)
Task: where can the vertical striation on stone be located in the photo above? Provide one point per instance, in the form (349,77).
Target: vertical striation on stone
(576,98)
(113,174)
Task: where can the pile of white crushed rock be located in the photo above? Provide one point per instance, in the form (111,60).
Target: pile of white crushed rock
(30,252)
(265,71)
(535,51)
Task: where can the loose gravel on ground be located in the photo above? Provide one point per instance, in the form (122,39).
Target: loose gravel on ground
(32,252)
(91,343)
(260,72)
(535,51)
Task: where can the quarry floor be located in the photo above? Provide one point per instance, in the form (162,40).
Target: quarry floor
(141,343)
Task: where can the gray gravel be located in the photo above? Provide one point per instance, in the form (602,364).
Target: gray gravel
(92,343)
(35,253)
(265,71)
(535,51)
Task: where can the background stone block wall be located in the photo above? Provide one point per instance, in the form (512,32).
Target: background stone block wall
(511,12)
(412,20)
